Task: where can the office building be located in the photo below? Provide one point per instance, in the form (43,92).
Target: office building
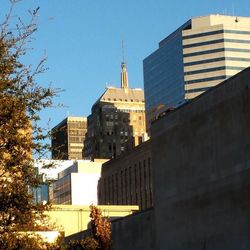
(117,121)
(68,138)
(197,56)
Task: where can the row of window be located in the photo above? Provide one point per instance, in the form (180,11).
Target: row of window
(78,132)
(122,100)
(77,125)
(64,198)
(189,91)
(238,59)
(110,118)
(76,139)
(205,61)
(213,69)
(132,110)
(204,52)
(222,77)
(209,33)
(216,41)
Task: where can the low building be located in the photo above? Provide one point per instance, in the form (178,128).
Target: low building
(127,180)
(73,219)
(77,185)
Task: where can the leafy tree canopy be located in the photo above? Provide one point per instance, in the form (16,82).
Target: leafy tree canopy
(21,100)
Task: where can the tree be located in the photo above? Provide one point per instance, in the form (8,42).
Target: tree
(101,228)
(21,99)
(101,233)
(88,243)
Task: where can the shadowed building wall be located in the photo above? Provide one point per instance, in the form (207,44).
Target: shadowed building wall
(201,171)
(127,180)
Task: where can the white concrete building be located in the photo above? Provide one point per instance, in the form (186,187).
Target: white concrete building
(77,185)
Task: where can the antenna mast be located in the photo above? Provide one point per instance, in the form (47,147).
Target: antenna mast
(123,57)
(124,74)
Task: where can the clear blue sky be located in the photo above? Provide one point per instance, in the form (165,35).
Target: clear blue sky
(82,39)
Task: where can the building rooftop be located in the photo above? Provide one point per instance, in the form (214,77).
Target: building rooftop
(217,19)
(209,20)
(70,119)
(122,94)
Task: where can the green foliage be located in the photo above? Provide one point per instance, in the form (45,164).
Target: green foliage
(21,99)
(101,233)
(88,243)
(27,241)
(101,228)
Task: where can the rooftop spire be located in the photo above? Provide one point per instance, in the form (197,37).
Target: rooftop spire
(124,74)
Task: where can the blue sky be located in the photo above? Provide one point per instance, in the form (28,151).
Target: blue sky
(82,39)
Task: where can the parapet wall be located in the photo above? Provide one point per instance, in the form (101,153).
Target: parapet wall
(133,232)
(201,171)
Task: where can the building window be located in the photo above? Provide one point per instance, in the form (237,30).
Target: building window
(146,198)
(126,187)
(135,170)
(130,184)
(140,139)
(105,191)
(140,179)
(121,187)
(145,172)
(150,182)
(116,183)
(109,191)
(113,189)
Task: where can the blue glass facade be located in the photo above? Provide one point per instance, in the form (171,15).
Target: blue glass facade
(164,74)
(41,193)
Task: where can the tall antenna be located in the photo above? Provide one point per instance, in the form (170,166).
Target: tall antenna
(123,57)
(124,73)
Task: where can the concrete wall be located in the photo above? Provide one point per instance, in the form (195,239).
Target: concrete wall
(201,171)
(133,232)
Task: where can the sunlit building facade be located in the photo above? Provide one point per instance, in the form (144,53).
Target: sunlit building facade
(77,185)
(117,121)
(200,54)
(68,138)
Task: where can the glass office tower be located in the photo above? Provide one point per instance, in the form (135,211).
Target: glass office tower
(163,72)
(197,56)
